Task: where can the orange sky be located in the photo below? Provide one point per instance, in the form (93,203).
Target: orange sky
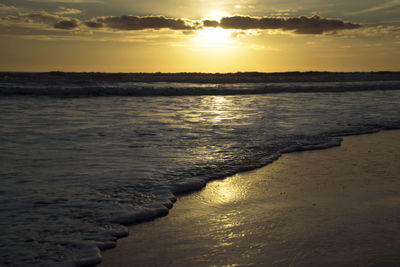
(199,36)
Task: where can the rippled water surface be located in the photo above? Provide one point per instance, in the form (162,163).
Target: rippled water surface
(71,168)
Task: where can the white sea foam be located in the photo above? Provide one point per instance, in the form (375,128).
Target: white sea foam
(74,169)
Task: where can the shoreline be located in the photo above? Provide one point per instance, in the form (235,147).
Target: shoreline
(168,194)
(182,198)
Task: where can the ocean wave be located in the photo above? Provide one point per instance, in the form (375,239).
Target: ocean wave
(92,84)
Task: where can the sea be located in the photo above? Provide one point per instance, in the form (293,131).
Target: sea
(82,155)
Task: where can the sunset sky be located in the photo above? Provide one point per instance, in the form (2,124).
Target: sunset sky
(199,35)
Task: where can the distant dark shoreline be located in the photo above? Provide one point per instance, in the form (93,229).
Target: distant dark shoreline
(198,77)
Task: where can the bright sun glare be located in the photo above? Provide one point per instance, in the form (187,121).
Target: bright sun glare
(214,37)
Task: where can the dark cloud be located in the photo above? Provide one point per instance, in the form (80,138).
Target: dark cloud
(210,23)
(301,25)
(131,23)
(93,24)
(67,24)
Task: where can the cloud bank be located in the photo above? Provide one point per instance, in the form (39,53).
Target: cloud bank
(301,25)
(134,23)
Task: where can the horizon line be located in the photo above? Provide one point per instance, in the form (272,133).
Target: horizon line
(199,72)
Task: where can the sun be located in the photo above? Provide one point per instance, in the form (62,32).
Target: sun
(214,37)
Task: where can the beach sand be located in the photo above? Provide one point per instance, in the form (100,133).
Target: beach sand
(333,207)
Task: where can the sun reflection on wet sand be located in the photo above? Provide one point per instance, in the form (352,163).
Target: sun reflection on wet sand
(226,191)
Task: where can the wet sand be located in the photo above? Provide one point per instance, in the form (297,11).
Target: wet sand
(333,207)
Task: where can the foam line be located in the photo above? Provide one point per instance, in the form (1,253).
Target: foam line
(169,193)
(190,90)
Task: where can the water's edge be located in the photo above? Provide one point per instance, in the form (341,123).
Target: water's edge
(168,195)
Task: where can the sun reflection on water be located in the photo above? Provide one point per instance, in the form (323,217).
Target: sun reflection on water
(218,108)
(218,116)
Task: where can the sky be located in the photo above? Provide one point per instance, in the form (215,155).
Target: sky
(199,35)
